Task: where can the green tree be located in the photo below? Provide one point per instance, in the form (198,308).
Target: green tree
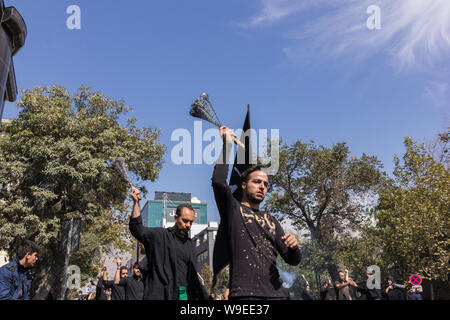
(323,189)
(413,215)
(56,164)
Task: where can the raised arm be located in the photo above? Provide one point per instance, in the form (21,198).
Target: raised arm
(136,227)
(117,275)
(104,269)
(222,192)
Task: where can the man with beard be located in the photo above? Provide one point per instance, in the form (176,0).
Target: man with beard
(255,237)
(134,286)
(117,292)
(172,273)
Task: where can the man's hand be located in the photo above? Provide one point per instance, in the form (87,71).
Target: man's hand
(290,241)
(227,134)
(103,266)
(119,262)
(135,194)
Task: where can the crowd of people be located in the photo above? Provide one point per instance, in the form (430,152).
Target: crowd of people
(249,240)
(345,288)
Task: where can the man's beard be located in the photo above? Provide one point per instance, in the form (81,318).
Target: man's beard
(253,199)
(183,233)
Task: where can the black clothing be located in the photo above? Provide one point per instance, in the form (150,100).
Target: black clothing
(183,255)
(394,294)
(368,294)
(117,292)
(306,295)
(161,280)
(254,238)
(328,293)
(134,287)
(100,290)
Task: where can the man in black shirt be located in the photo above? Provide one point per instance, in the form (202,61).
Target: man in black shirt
(117,292)
(368,288)
(172,273)
(134,287)
(255,237)
(328,292)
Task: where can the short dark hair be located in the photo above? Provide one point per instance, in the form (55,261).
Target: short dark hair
(181,206)
(246,174)
(26,246)
(123,268)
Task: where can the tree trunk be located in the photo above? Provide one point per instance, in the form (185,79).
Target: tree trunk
(48,275)
(333,270)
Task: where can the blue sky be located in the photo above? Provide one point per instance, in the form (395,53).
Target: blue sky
(310,69)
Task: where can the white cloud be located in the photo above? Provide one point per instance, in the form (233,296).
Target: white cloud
(413,32)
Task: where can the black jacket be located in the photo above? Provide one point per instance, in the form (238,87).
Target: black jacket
(368,294)
(160,281)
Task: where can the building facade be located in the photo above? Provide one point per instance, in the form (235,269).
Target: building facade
(13,32)
(204,245)
(161,211)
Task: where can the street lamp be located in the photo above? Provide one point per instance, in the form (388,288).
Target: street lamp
(13,32)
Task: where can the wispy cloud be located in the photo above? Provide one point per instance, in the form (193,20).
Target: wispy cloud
(413,32)
(438,93)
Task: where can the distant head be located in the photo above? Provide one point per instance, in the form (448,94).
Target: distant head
(27,253)
(123,272)
(137,269)
(390,280)
(341,275)
(254,183)
(184,217)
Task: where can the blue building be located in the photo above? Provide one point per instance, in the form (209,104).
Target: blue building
(161,211)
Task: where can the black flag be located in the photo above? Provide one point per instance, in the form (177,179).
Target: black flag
(243,162)
(221,255)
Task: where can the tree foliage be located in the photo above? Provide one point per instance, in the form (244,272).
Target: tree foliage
(56,164)
(413,214)
(324,190)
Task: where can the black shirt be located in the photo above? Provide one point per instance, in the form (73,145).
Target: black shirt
(329,293)
(254,241)
(117,292)
(134,287)
(183,256)
(100,291)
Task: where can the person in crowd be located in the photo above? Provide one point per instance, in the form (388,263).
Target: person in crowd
(367,288)
(306,294)
(134,286)
(342,286)
(393,291)
(117,292)
(172,273)
(255,237)
(327,292)
(15,277)
(416,295)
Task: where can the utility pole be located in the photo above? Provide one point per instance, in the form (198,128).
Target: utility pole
(164,210)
